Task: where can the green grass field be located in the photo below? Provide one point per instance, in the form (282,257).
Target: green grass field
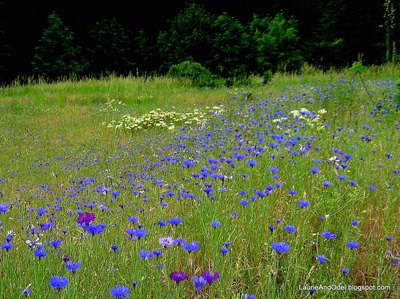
(279,188)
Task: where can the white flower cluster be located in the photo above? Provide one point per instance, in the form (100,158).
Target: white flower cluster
(311,118)
(159,119)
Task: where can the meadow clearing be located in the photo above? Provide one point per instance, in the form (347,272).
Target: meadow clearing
(123,187)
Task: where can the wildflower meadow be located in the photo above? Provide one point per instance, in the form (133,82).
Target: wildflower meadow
(126,188)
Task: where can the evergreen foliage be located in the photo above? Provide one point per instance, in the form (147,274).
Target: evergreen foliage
(57,55)
(110,49)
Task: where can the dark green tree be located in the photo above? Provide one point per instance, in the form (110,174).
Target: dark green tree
(230,47)
(57,55)
(145,53)
(110,49)
(189,37)
(276,43)
(5,52)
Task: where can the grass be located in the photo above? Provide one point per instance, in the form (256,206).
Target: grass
(248,168)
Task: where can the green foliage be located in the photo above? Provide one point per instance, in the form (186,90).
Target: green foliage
(194,72)
(276,43)
(189,37)
(57,55)
(5,51)
(110,51)
(230,47)
(358,69)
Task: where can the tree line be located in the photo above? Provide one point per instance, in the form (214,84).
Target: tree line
(205,46)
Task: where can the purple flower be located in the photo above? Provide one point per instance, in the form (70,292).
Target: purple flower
(166,241)
(85,218)
(58,282)
(178,276)
(280,247)
(209,277)
(119,291)
(389,238)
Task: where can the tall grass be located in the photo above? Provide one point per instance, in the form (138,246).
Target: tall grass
(256,173)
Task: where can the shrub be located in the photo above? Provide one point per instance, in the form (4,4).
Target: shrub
(194,72)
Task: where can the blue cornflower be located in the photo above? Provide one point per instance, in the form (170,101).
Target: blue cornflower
(3,208)
(389,238)
(70,266)
(224,250)
(133,219)
(271,228)
(215,223)
(354,222)
(290,228)
(314,170)
(292,192)
(115,248)
(143,254)
(138,233)
(352,183)
(344,270)
(328,235)
(115,193)
(244,203)
(27,291)
(198,282)
(251,163)
(58,282)
(248,296)
(303,203)
(273,169)
(190,246)
(119,291)
(55,243)
(352,245)
(372,188)
(174,221)
(40,252)
(6,246)
(321,258)
(94,229)
(280,247)
(326,184)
